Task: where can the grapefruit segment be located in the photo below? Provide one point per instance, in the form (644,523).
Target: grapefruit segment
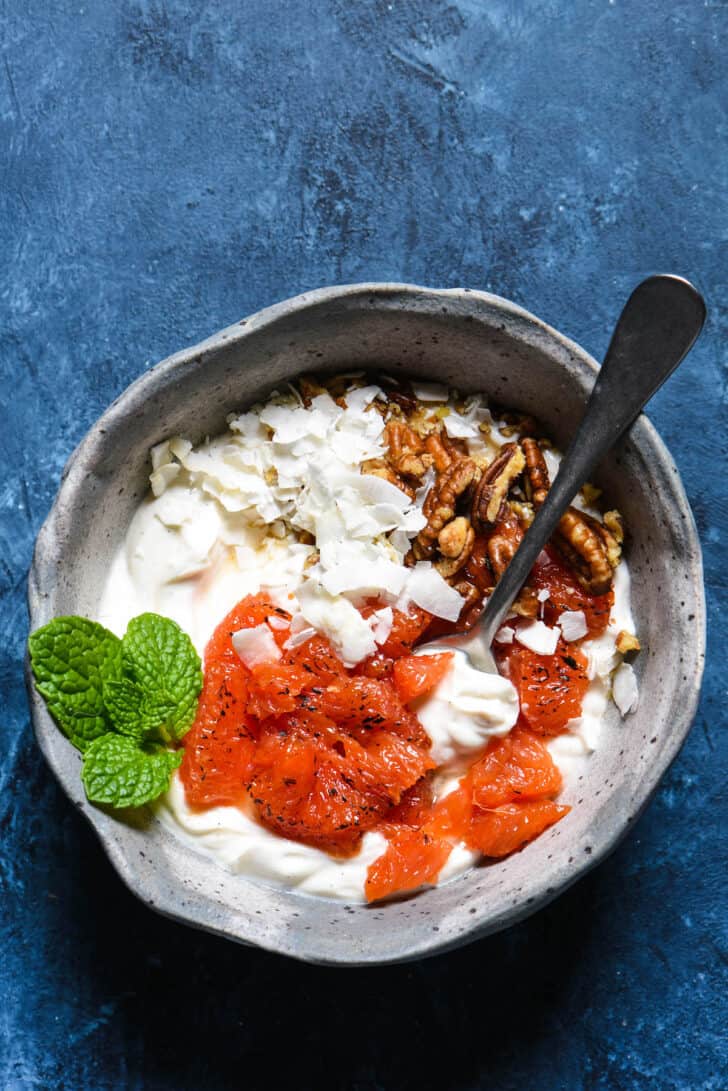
(518,767)
(412,858)
(415,675)
(550,688)
(503,830)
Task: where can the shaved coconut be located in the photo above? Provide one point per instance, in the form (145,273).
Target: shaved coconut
(573,624)
(163,477)
(543,594)
(457,427)
(540,638)
(358,400)
(279,623)
(505,634)
(338,620)
(180,448)
(301,637)
(366,577)
(624,689)
(430,392)
(255,646)
(326,404)
(381,622)
(160,455)
(428,590)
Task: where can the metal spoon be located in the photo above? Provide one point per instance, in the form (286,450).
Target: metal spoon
(657,328)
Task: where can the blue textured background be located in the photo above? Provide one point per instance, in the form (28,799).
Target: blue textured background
(169,167)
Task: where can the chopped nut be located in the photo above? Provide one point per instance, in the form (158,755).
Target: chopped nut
(453,536)
(523,510)
(589,546)
(439,505)
(537,475)
(312,559)
(437,448)
(492,491)
(271,475)
(310,388)
(455,541)
(590,493)
(613,523)
(627,642)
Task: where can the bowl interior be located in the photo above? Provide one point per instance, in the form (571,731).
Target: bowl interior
(475,343)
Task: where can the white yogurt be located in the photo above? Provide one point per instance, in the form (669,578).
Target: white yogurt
(466,709)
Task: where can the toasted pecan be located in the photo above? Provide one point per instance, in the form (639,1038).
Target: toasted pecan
(440,502)
(455,542)
(492,490)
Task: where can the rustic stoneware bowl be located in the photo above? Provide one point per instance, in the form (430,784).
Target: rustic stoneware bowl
(472,341)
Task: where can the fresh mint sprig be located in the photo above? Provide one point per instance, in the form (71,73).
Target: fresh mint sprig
(121,702)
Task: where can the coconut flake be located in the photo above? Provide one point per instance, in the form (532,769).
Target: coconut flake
(505,634)
(255,646)
(279,623)
(457,427)
(381,622)
(357,400)
(573,624)
(540,638)
(163,477)
(430,392)
(624,689)
(428,590)
(339,621)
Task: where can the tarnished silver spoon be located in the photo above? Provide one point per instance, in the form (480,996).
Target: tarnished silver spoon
(657,328)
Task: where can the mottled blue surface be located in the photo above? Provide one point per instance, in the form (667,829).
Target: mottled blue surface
(168,167)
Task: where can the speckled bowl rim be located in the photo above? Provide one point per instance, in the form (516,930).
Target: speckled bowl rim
(40,596)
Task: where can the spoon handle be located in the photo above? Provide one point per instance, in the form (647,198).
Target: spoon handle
(658,326)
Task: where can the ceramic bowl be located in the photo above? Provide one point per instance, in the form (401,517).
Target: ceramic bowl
(472,341)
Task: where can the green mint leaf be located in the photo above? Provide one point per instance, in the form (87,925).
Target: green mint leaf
(135,711)
(71,659)
(163,662)
(122,773)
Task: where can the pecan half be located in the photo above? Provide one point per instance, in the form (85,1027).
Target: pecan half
(537,475)
(455,541)
(438,449)
(501,547)
(492,490)
(589,546)
(439,505)
(406,450)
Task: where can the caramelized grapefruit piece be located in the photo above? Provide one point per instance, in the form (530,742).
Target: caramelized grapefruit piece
(314,783)
(503,830)
(415,675)
(566,593)
(413,858)
(518,767)
(406,629)
(550,688)
(363,705)
(220,743)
